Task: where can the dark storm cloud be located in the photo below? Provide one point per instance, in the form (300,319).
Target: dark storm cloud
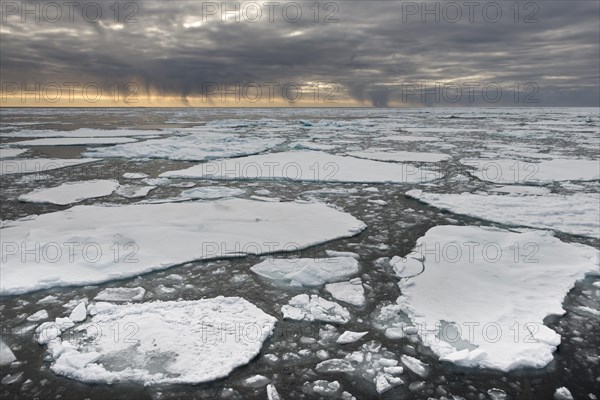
(375,51)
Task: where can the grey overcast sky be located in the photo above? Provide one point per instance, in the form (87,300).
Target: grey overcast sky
(369,53)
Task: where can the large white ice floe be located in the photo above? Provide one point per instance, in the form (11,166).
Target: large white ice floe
(71,192)
(576,214)
(312,166)
(314,308)
(10,153)
(400,156)
(83,133)
(211,193)
(197,146)
(6,354)
(520,279)
(540,171)
(163,342)
(306,271)
(73,141)
(38,165)
(92,244)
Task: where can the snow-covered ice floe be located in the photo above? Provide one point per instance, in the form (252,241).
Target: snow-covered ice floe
(309,272)
(71,192)
(522,190)
(83,133)
(542,171)
(123,294)
(73,141)
(134,175)
(171,342)
(6,354)
(134,191)
(92,244)
(351,292)
(576,214)
(314,308)
(38,165)
(312,166)
(400,156)
(10,153)
(197,146)
(521,278)
(211,193)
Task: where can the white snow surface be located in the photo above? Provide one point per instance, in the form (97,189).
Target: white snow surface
(540,171)
(314,308)
(71,192)
(175,342)
(350,337)
(73,141)
(400,156)
(198,146)
(38,165)
(312,166)
(211,192)
(156,236)
(509,294)
(576,214)
(308,272)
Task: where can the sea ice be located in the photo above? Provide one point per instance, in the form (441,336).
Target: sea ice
(315,308)
(176,342)
(312,166)
(562,393)
(520,278)
(134,191)
(123,294)
(79,313)
(576,214)
(350,337)
(306,271)
(198,146)
(38,165)
(134,175)
(73,141)
(6,354)
(415,365)
(82,133)
(10,153)
(409,138)
(351,292)
(541,171)
(93,244)
(522,190)
(211,192)
(400,156)
(71,192)
(38,316)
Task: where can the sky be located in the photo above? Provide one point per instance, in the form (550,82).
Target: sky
(299,54)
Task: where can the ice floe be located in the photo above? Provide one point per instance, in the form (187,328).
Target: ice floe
(134,191)
(164,342)
(83,133)
(520,278)
(92,244)
(73,141)
(351,292)
(6,354)
(123,294)
(350,337)
(71,192)
(38,165)
(372,363)
(134,175)
(543,171)
(314,308)
(211,192)
(522,190)
(10,153)
(306,271)
(307,166)
(576,214)
(38,316)
(198,146)
(400,156)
